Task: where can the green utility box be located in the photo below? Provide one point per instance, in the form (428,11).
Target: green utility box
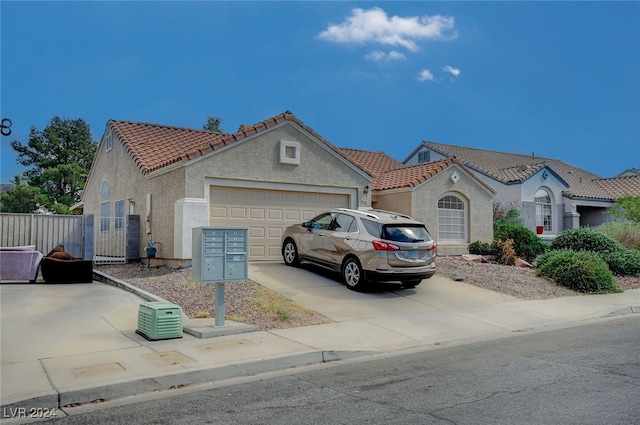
(159,320)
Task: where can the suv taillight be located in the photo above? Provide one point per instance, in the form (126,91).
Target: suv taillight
(432,247)
(384,246)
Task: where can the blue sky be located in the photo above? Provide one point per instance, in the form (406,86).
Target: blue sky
(561,79)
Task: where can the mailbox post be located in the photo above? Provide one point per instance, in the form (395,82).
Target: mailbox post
(220,254)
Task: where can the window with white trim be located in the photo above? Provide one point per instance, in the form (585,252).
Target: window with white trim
(452,219)
(105,207)
(108,141)
(424,156)
(544,210)
(119,215)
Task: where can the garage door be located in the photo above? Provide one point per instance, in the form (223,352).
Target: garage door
(266,213)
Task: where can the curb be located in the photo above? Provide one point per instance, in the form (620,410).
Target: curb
(634,309)
(78,397)
(121,284)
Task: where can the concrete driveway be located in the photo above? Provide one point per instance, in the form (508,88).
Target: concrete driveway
(73,319)
(48,320)
(323,291)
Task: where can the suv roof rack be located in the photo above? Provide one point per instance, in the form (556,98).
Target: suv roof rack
(392,213)
(368,214)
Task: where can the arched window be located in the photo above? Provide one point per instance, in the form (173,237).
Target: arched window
(105,193)
(105,207)
(544,210)
(452,219)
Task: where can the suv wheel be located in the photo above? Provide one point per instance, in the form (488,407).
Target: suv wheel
(408,284)
(352,274)
(290,253)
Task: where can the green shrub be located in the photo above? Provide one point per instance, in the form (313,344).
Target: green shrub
(480,248)
(626,232)
(581,271)
(509,216)
(621,260)
(625,262)
(526,244)
(585,239)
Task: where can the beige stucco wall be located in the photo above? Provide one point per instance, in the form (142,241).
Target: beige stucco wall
(257,160)
(479,201)
(398,201)
(127,183)
(422,204)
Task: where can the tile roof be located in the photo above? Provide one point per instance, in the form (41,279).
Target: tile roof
(154,146)
(630,172)
(410,176)
(617,187)
(510,168)
(392,174)
(374,163)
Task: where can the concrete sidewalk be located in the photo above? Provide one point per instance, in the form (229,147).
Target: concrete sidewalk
(68,345)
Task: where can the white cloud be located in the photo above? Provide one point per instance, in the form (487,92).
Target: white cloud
(425,75)
(374,26)
(393,55)
(453,71)
(379,56)
(375,56)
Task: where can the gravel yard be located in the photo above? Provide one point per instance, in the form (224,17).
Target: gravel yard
(245,302)
(253,304)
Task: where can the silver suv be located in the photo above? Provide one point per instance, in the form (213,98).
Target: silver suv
(363,245)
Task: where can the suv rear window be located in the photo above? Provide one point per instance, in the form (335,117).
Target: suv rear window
(405,233)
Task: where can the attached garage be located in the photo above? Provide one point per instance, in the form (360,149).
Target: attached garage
(266,213)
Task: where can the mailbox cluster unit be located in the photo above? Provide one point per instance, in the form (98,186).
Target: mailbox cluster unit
(220,254)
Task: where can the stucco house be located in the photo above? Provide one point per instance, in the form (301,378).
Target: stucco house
(552,195)
(455,205)
(265,177)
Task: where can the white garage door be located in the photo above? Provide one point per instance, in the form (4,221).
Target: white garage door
(266,213)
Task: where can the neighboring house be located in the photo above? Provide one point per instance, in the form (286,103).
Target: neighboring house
(451,200)
(264,177)
(630,172)
(548,192)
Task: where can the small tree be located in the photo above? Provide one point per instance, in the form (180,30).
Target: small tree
(23,199)
(213,125)
(60,157)
(626,207)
